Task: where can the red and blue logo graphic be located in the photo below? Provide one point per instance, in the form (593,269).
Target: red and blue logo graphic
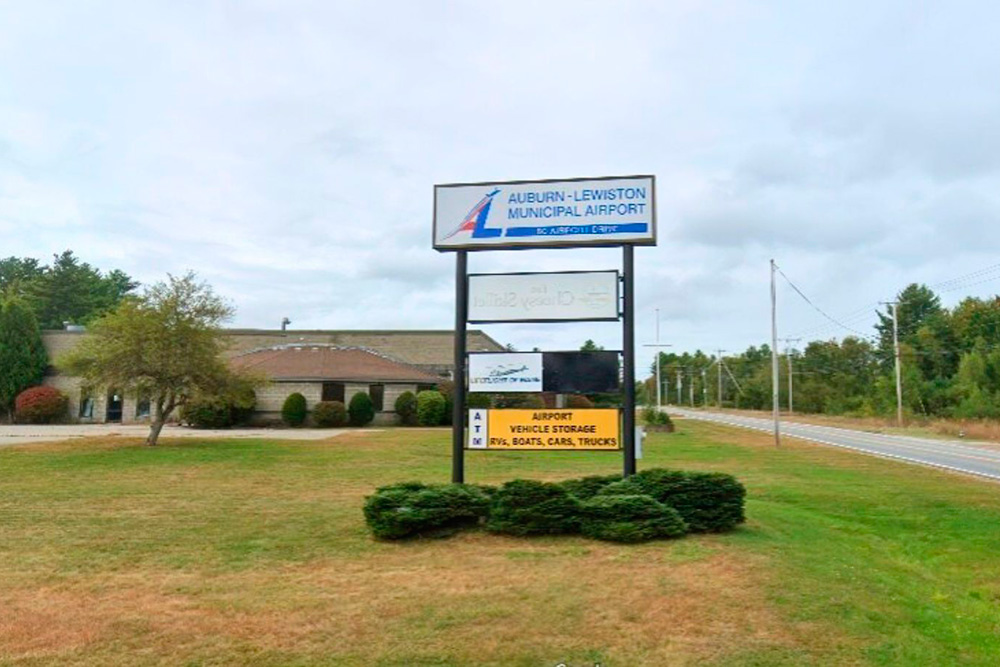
(475,219)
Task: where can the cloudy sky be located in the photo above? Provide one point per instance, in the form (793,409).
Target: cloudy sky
(287,151)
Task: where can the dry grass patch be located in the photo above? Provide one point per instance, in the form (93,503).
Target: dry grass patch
(465,600)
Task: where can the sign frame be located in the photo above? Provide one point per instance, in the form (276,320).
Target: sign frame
(568,242)
(549,320)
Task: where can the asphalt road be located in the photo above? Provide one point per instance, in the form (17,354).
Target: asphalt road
(955,455)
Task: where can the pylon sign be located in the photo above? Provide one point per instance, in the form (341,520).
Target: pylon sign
(555,213)
(543,214)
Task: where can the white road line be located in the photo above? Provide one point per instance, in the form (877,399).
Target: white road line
(868,443)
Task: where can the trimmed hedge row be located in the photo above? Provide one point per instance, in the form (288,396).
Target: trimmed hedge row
(653,504)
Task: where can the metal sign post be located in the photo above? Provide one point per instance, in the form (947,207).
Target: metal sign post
(628,362)
(458,378)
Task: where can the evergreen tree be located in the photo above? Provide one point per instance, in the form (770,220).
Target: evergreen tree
(22,355)
(73,291)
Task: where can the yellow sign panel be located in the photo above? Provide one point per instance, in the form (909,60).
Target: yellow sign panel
(544,429)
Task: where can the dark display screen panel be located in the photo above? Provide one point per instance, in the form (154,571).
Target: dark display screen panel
(580,372)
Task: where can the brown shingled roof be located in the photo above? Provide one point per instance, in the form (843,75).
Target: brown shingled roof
(326,363)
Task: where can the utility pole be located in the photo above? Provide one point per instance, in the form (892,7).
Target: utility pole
(704,390)
(718,362)
(659,385)
(691,387)
(680,374)
(788,355)
(774,358)
(899,373)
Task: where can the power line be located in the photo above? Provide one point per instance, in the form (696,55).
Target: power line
(817,308)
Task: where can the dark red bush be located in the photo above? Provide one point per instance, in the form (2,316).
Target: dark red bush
(40,405)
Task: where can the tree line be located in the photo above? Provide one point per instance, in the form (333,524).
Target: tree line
(950,361)
(35,296)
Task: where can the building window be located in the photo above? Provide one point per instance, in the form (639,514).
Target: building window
(86,406)
(376,392)
(142,407)
(426,387)
(333,391)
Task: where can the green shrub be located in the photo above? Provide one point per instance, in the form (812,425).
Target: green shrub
(234,405)
(293,411)
(40,405)
(478,401)
(430,408)
(447,389)
(579,402)
(361,410)
(329,413)
(633,518)
(585,488)
(709,502)
(520,401)
(653,417)
(406,408)
(414,509)
(207,412)
(528,507)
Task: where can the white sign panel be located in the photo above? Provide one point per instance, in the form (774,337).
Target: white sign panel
(505,371)
(574,212)
(542,297)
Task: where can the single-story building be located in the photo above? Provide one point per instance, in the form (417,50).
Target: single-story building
(330,373)
(426,352)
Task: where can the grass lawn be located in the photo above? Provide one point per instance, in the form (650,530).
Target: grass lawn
(255,552)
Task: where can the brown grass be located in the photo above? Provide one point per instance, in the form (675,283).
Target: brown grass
(478,599)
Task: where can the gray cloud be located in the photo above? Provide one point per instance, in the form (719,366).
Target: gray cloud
(286,151)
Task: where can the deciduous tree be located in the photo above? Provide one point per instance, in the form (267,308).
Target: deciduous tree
(166,344)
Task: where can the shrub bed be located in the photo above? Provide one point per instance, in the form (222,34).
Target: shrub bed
(326,414)
(637,518)
(413,509)
(40,405)
(652,504)
(528,507)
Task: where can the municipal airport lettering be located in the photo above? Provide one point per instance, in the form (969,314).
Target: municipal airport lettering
(560,211)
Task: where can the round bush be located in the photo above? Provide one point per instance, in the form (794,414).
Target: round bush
(528,507)
(361,411)
(414,509)
(710,502)
(579,402)
(431,407)
(293,411)
(406,408)
(40,405)
(633,518)
(329,413)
